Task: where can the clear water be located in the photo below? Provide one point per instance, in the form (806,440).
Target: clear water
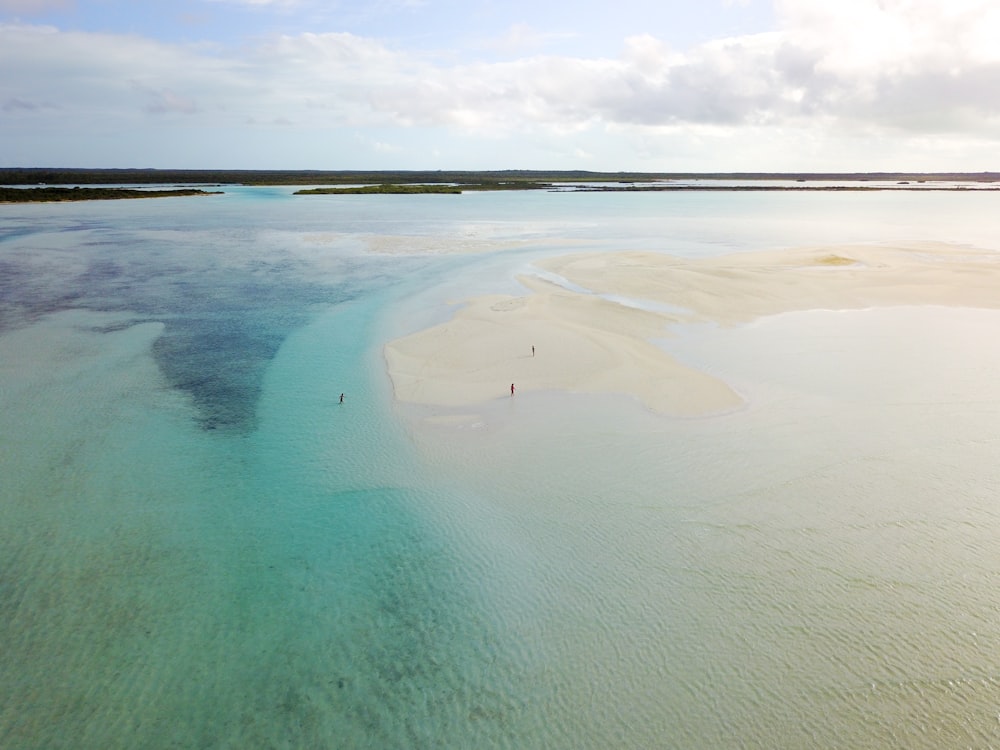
(201,547)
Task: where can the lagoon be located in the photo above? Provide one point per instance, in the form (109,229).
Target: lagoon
(200,546)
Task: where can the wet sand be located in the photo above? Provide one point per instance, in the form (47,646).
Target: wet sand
(602,340)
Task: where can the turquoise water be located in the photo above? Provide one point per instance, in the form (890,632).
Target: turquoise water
(201,547)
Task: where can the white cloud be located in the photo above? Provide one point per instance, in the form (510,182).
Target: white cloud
(833,73)
(914,65)
(14,105)
(105,79)
(34,6)
(522,38)
(165,101)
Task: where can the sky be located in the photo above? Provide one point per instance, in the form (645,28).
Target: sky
(602,85)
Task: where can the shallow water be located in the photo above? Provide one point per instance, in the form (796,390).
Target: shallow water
(200,546)
(817,569)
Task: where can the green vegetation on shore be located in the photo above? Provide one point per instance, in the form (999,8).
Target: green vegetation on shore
(396,189)
(488,180)
(387,188)
(453,182)
(60,194)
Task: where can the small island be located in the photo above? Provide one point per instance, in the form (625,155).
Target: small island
(383,189)
(106,182)
(406,188)
(47,194)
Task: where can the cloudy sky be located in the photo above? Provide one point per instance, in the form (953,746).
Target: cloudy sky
(653,85)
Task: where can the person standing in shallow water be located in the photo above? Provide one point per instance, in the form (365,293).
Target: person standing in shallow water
(341,398)
(511,389)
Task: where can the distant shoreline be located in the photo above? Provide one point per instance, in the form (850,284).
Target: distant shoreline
(434,189)
(62,185)
(509,179)
(48,194)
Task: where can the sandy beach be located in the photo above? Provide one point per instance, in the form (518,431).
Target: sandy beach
(602,340)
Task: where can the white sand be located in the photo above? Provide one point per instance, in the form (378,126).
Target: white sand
(585,343)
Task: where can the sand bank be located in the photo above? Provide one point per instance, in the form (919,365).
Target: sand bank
(585,342)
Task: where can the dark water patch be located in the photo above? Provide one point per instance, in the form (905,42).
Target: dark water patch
(105,274)
(219,362)
(116,327)
(19,227)
(8,232)
(225,328)
(227,297)
(217,339)
(26,296)
(217,349)
(12,279)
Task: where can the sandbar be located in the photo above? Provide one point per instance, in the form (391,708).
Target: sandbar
(598,334)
